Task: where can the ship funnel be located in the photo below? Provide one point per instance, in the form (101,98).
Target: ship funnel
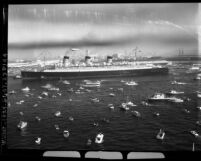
(88,60)
(109,59)
(66,61)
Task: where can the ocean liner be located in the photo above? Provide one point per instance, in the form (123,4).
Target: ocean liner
(88,69)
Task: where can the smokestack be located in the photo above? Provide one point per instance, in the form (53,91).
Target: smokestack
(66,61)
(109,59)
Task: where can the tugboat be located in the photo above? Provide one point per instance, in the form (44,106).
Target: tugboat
(99,138)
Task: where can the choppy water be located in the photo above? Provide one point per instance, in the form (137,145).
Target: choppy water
(123,132)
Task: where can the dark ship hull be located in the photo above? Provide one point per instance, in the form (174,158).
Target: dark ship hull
(93,74)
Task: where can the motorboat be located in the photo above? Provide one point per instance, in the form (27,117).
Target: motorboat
(93,83)
(56,127)
(89,141)
(112,94)
(20,102)
(71,118)
(199,95)
(65,82)
(176,100)
(95,124)
(59,94)
(131,83)
(124,107)
(199,108)
(179,83)
(136,113)
(95,100)
(18,77)
(186,111)
(44,93)
(130,103)
(66,133)
(158,97)
(99,138)
(38,141)
(26,89)
(35,105)
(22,125)
(21,113)
(144,103)
(57,114)
(156,114)
(38,118)
(53,89)
(198,122)
(12,92)
(111,106)
(47,86)
(160,135)
(40,97)
(172,92)
(194,133)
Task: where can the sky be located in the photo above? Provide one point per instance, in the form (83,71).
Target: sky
(155,28)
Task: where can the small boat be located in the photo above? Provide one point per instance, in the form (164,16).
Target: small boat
(131,83)
(71,118)
(106,120)
(25,89)
(99,138)
(136,113)
(111,106)
(160,135)
(194,133)
(38,118)
(81,87)
(21,113)
(111,88)
(57,114)
(172,92)
(22,125)
(66,133)
(91,85)
(35,105)
(144,103)
(56,127)
(112,94)
(38,141)
(44,93)
(199,95)
(53,96)
(89,141)
(70,100)
(158,97)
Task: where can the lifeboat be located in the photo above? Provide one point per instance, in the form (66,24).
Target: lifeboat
(99,138)
(160,135)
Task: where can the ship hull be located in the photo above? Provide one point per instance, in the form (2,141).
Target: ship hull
(93,74)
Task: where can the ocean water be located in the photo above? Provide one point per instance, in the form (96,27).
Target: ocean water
(123,132)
